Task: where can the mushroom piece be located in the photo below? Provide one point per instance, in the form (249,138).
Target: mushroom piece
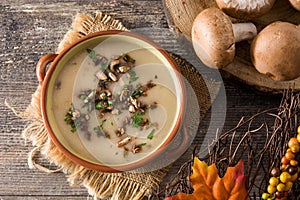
(295,4)
(214,37)
(242,9)
(275,51)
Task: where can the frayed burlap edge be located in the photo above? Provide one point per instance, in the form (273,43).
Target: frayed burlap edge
(126,185)
(85,24)
(115,186)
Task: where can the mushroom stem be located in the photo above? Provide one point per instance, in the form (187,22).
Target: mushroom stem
(244,31)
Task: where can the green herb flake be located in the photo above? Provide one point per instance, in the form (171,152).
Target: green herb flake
(92,55)
(104,64)
(131,60)
(133,76)
(75,125)
(133,79)
(83,96)
(96,129)
(111,123)
(74,128)
(102,124)
(143,144)
(127,58)
(131,73)
(99,106)
(102,104)
(104,67)
(69,119)
(151,134)
(137,92)
(137,119)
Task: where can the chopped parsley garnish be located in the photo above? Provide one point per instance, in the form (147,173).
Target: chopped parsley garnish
(127,58)
(99,106)
(74,125)
(133,76)
(102,124)
(103,104)
(83,96)
(137,92)
(96,129)
(92,55)
(74,122)
(104,64)
(131,60)
(103,61)
(103,101)
(137,119)
(151,134)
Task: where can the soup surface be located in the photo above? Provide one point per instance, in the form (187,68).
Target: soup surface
(114,107)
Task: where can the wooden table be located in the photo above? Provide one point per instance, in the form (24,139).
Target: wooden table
(32,28)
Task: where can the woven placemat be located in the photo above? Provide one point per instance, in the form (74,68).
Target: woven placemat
(125,185)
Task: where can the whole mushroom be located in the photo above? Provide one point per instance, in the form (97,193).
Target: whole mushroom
(214,37)
(242,9)
(295,4)
(275,51)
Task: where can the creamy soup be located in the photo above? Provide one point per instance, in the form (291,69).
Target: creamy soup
(114,107)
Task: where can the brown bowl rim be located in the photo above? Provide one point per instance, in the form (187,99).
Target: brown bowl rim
(98,167)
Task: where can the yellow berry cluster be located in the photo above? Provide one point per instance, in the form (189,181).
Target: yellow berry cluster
(281,181)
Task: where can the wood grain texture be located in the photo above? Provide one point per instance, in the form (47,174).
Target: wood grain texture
(181,15)
(32,28)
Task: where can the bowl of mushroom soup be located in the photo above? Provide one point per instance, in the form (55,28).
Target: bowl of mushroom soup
(112,101)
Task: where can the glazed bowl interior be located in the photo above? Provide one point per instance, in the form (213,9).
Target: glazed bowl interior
(73,72)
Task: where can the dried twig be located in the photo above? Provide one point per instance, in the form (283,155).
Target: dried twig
(277,126)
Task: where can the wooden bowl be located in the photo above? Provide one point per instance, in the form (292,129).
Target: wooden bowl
(58,94)
(181,14)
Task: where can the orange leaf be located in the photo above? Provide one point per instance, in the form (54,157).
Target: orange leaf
(209,186)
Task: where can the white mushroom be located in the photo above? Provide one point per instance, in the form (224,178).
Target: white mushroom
(124,141)
(295,4)
(101,75)
(214,37)
(112,76)
(275,51)
(245,9)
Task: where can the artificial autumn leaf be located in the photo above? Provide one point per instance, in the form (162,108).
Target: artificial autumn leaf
(209,186)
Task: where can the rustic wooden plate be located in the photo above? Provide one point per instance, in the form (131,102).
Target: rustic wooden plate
(181,14)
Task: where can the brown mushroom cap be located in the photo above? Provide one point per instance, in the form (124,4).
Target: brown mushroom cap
(276,51)
(295,4)
(213,39)
(245,9)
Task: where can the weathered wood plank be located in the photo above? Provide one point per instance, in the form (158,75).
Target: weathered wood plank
(28,30)
(31,28)
(45,197)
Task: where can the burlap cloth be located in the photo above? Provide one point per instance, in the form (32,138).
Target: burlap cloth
(119,186)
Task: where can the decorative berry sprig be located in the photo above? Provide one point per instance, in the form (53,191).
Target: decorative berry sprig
(281,181)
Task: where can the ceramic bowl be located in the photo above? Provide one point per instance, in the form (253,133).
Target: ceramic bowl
(63,76)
